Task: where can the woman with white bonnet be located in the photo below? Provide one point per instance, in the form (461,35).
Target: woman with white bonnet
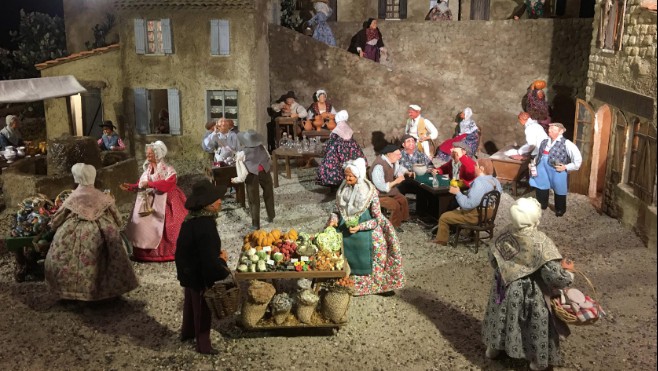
(466,131)
(320,105)
(322,31)
(87,259)
(159,208)
(528,269)
(341,147)
(371,245)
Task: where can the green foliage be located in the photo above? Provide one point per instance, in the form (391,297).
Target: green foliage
(289,15)
(39,38)
(100,32)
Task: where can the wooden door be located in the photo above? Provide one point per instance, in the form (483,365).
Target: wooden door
(583,137)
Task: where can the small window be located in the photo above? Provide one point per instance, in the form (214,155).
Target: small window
(611,24)
(219,37)
(642,176)
(157,111)
(392,9)
(153,36)
(223,104)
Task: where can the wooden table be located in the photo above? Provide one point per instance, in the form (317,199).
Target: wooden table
(432,202)
(223,175)
(286,124)
(287,153)
(508,169)
(322,134)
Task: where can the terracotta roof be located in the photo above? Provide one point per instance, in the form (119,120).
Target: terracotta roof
(75,56)
(190,4)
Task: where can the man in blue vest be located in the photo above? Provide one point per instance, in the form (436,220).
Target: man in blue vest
(557,156)
(110,141)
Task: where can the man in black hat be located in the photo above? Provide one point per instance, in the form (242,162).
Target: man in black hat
(386,175)
(200,261)
(110,141)
(289,107)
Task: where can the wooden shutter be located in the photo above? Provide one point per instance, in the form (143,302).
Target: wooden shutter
(403,9)
(583,137)
(224,37)
(382,9)
(167,46)
(140,36)
(141,111)
(173,102)
(214,37)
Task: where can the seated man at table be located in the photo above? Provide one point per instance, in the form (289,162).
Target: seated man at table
(289,107)
(207,144)
(534,135)
(386,175)
(461,167)
(483,183)
(410,157)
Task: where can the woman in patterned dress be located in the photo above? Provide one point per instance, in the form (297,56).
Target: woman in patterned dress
(468,133)
(341,147)
(159,209)
(322,31)
(528,270)
(87,259)
(370,243)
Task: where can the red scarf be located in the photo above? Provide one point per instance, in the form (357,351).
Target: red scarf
(371,33)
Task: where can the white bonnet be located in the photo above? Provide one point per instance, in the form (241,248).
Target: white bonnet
(9,119)
(84,174)
(525,212)
(342,116)
(358,167)
(320,92)
(159,149)
(468,113)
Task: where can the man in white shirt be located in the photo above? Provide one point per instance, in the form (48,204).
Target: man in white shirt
(222,140)
(534,135)
(556,157)
(422,129)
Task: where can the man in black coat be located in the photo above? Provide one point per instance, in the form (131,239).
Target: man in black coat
(200,261)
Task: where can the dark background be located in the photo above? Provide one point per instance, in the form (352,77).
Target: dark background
(10,15)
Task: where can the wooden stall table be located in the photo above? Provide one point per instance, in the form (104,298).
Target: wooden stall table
(223,175)
(432,202)
(287,153)
(286,124)
(510,170)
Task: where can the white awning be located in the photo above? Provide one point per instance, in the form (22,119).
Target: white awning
(30,90)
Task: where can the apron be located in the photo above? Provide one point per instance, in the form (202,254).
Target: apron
(358,246)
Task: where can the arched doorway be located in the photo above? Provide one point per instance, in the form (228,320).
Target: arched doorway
(603,123)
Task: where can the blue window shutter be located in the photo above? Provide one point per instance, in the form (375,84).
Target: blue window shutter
(167,46)
(141,111)
(140,36)
(214,37)
(173,102)
(224,37)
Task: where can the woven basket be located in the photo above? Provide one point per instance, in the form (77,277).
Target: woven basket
(570,318)
(305,312)
(335,305)
(252,313)
(223,298)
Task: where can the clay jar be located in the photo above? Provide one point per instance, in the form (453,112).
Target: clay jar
(318,122)
(307,125)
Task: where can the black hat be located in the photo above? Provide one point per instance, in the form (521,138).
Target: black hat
(290,94)
(108,124)
(389,148)
(203,194)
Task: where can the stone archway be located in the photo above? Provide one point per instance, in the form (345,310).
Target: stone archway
(602,126)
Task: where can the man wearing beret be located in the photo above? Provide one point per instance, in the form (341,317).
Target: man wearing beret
(556,157)
(386,175)
(461,167)
(422,129)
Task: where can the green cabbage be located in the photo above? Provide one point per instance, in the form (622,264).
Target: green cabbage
(329,240)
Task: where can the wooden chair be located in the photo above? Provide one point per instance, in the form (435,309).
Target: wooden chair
(487,210)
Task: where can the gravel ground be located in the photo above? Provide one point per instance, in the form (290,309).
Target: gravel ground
(432,324)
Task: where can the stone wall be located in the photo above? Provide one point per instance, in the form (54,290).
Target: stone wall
(80,16)
(441,66)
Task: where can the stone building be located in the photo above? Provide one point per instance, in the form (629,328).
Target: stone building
(618,124)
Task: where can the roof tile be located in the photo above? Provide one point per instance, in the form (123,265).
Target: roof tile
(75,56)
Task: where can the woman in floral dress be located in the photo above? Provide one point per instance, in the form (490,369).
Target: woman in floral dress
(468,133)
(322,31)
(341,147)
(159,208)
(87,259)
(371,245)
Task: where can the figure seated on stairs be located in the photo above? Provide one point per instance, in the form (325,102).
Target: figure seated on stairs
(368,42)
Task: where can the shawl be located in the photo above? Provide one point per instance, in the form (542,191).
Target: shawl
(537,108)
(343,130)
(354,200)
(88,202)
(467,125)
(13,135)
(372,34)
(192,214)
(160,171)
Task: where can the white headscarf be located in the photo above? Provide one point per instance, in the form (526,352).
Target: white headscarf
(353,200)
(525,213)
(320,92)
(9,119)
(83,174)
(322,7)
(467,126)
(159,149)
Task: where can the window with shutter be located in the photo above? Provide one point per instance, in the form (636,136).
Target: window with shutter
(157,111)
(167,46)
(140,36)
(223,104)
(173,102)
(141,111)
(220,37)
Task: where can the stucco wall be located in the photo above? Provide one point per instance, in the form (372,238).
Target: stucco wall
(193,71)
(442,66)
(100,70)
(636,214)
(80,16)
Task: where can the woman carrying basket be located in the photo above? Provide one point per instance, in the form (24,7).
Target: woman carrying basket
(200,261)
(528,271)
